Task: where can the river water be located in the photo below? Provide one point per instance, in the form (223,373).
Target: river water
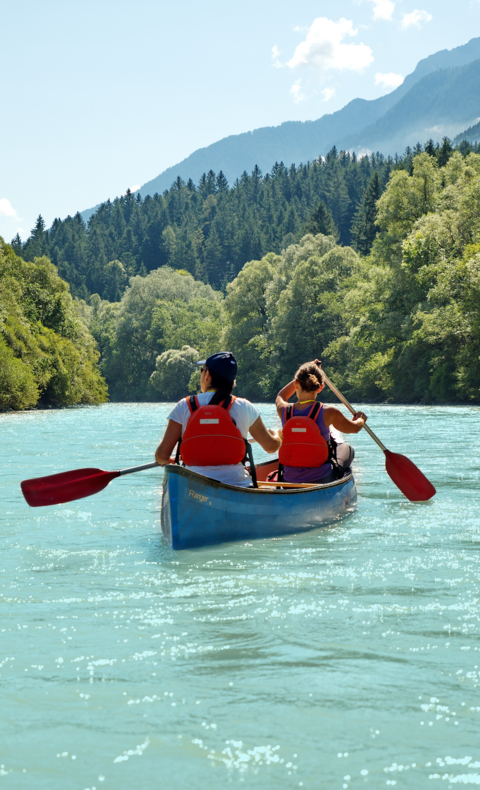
(347,657)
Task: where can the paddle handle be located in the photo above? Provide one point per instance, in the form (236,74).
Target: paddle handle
(133,469)
(350,408)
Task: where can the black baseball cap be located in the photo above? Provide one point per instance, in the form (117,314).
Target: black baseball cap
(223,363)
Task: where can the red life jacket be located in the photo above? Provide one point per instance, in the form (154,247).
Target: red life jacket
(211,437)
(303,443)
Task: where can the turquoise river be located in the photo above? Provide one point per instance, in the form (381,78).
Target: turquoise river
(347,657)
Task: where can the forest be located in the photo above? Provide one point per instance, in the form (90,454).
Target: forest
(210,229)
(394,315)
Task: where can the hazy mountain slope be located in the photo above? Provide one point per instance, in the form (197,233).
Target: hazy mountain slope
(297,141)
(442,103)
(301,141)
(472,134)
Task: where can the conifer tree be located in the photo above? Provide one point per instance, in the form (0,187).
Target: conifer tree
(321,221)
(445,152)
(221,183)
(37,244)
(364,229)
(16,244)
(429,147)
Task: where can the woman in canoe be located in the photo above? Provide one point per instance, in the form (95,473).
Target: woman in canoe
(213,440)
(317,468)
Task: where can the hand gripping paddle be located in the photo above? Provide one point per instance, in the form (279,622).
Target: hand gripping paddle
(406,476)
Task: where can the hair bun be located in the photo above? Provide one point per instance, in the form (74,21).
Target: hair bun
(310,377)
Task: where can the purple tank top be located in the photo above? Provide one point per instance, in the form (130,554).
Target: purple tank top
(308,474)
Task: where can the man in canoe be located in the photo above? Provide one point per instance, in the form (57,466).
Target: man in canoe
(212,427)
(308,454)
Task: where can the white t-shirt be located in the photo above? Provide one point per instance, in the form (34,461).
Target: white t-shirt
(244,413)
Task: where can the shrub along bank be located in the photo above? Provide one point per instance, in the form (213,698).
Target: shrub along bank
(47,354)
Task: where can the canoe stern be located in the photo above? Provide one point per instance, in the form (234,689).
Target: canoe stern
(198,511)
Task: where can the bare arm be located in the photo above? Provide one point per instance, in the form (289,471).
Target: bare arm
(282,398)
(333,416)
(267,438)
(165,448)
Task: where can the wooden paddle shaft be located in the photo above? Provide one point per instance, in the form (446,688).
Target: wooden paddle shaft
(269,483)
(350,408)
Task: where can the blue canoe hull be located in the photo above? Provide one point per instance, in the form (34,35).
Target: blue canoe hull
(198,511)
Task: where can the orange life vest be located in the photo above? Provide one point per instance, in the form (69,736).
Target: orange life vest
(303,443)
(211,437)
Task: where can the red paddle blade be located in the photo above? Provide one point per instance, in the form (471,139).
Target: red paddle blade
(408,477)
(66,486)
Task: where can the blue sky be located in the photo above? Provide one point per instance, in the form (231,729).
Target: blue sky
(101,95)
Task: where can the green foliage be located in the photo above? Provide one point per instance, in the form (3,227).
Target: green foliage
(364,230)
(283,310)
(321,221)
(413,314)
(211,230)
(173,371)
(246,328)
(165,310)
(402,323)
(46,351)
(17,383)
(398,318)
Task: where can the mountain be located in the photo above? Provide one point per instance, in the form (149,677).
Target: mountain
(440,104)
(431,102)
(471,135)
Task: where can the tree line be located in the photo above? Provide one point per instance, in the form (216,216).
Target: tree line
(401,323)
(394,316)
(209,229)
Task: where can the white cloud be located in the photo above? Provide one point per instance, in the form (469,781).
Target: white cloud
(323,48)
(328,93)
(7,210)
(296,92)
(416,18)
(275,57)
(388,80)
(383,9)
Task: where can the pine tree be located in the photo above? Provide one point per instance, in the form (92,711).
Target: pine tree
(429,147)
(256,180)
(332,154)
(321,221)
(445,152)
(337,199)
(37,244)
(364,229)
(221,184)
(16,243)
(213,259)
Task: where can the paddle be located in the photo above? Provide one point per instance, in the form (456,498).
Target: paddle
(67,486)
(406,476)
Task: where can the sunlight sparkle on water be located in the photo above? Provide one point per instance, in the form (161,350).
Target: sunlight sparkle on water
(345,657)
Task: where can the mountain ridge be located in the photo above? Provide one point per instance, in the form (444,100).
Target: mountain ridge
(301,141)
(425,111)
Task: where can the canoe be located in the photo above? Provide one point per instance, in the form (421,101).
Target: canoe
(198,511)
